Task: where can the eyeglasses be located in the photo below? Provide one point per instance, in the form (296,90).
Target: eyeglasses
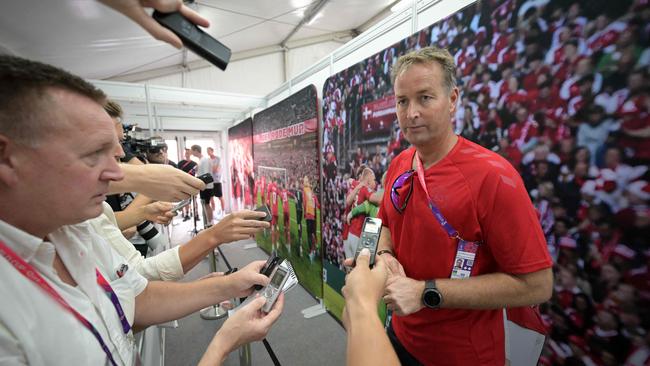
(401,190)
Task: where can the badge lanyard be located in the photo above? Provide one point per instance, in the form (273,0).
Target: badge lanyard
(466,250)
(31,274)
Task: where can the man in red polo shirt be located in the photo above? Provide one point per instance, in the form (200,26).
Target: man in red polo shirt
(447,313)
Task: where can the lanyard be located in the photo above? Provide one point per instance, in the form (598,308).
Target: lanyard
(101,281)
(466,250)
(434,209)
(31,274)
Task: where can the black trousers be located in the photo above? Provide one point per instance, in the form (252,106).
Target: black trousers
(405,358)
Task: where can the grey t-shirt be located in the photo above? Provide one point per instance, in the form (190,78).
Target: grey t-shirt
(205,166)
(216,169)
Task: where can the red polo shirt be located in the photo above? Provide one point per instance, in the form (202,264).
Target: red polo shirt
(484,198)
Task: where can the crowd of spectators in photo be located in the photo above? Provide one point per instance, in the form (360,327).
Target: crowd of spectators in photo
(241,172)
(289,165)
(299,107)
(559,89)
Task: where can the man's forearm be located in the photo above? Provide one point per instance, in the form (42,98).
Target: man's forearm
(131,182)
(133,215)
(496,290)
(192,252)
(165,301)
(368,343)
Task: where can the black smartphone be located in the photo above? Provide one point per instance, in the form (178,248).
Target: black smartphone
(268,268)
(195,39)
(206,178)
(264,209)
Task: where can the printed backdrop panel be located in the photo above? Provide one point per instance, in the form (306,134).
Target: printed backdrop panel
(240,153)
(285,142)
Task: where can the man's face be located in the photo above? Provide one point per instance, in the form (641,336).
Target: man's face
(68,172)
(119,131)
(157,157)
(424,108)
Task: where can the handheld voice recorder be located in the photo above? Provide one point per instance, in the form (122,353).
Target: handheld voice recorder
(273,289)
(195,39)
(369,238)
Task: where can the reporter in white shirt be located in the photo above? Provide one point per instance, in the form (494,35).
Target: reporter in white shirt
(54,130)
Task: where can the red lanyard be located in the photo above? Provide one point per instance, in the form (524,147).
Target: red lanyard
(466,250)
(31,274)
(434,209)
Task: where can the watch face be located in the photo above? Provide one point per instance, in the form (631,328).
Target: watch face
(431,298)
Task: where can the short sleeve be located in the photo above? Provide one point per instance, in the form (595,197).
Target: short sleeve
(382,215)
(511,228)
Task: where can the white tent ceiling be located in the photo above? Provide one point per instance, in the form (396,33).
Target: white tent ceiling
(95,42)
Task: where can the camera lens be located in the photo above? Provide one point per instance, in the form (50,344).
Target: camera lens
(149,233)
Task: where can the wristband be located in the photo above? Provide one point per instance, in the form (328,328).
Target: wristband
(384,251)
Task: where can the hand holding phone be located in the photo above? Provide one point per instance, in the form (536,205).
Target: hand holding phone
(206,178)
(265,209)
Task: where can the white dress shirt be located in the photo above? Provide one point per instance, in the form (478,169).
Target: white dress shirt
(36,330)
(164,266)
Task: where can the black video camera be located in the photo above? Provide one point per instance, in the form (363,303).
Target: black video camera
(135,143)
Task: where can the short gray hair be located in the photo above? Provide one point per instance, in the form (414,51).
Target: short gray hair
(428,55)
(25,101)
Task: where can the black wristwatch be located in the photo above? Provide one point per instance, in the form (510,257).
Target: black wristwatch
(431,297)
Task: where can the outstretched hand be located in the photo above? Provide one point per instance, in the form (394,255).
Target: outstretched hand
(158,212)
(134,9)
(240,283)
(364,286)
(160,182)
(238,225)
(246,325)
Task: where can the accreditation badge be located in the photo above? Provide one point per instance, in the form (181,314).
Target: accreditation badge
(464,260)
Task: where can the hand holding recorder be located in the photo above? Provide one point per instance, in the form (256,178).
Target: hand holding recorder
(246,325)
(157,181)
